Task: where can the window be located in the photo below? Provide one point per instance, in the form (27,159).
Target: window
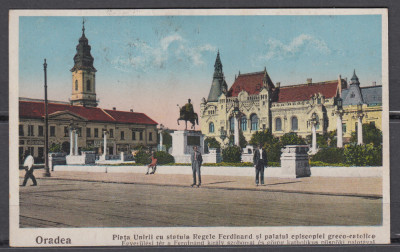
(96,132)
(141,136)
(30,130)
(122,135)
(319,100)
(66,131)
(278,124)
(355,127)
(232,124)
(294,123)
(317,125)
(111,133)
(211,127)
(21,130)
(254,122)
(88,132)
(31,151)
(79,131)
(88,85)
(40,130)
(150,136)
(52,131)
(344,128)
(76,85)
(41,152)
(133,135)
(243,123)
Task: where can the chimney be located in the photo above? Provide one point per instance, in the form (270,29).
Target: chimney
(278,85)
(114,108)
(374,83)
(131,110)
(309,80)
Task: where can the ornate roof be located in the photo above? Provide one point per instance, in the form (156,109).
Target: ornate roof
(251,83)
(83,59)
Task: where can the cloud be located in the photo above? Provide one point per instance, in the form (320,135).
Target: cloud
(172,48)
(276,49)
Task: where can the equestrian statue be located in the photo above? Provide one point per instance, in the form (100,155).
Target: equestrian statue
(187,113)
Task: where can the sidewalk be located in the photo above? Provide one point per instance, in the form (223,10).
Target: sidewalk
(358,187)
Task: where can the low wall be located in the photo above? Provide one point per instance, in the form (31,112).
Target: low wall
(226,170)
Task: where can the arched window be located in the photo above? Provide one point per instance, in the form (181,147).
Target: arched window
(278,124)
(243,123)
(254,122)
(88,85)
(294,123)
(232,124)
(317,125)
(211,127)
(76,85)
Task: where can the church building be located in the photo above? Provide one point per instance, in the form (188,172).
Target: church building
(125,129)
(261,104)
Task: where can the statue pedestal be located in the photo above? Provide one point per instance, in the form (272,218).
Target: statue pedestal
(294,161)
(183,142)
(87,157)
(213,156)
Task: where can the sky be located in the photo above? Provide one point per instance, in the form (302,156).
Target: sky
(152,63)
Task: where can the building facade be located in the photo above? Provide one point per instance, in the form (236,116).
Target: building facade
(260,104)
(125,130)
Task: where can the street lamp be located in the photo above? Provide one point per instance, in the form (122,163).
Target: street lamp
(46,123)
(222,134)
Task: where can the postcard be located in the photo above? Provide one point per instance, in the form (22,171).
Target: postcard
(199,127)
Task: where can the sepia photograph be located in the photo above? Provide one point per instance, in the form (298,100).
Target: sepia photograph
(199,127)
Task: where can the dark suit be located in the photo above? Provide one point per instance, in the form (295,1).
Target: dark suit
(197,160)
(260,162)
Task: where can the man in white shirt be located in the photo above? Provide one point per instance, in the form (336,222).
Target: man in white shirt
(260,161)
(28,166)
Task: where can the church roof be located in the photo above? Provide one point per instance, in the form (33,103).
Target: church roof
(35,109)
(250,82)
(304,92)
(83,59)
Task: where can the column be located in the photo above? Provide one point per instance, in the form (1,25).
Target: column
(161,141)
(314,139)
(71,143)
(339,131)
(236,131)
(105,143)
(76,142)
(360,132)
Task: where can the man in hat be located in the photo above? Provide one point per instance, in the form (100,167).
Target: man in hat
(196,164)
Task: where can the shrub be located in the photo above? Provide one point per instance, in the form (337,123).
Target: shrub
(211,142)
(330,155)
(167,139)
(142,157)
(270,143)
(291,139)
(361,155)
(242,140)
(319,163)
(55,147)
(163,157)
(371,135)
(232,154)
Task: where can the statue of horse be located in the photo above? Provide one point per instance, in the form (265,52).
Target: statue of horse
(186,113)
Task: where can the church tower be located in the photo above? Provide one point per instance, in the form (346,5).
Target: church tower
(218,85)
(83,75)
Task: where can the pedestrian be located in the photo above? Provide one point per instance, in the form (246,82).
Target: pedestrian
(152,165)
(28,166)
(197,160)
(260,162)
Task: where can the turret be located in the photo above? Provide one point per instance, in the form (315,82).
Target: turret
(218,85)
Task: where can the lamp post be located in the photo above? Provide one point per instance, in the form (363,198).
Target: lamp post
(160,131)
(314,122)
(236,114)
(72,129)
(46,123)
(222,133)
(360,115)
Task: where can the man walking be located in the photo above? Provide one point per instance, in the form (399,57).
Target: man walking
(260,161)
(196,164)
(28,166)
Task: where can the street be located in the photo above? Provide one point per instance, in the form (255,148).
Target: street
(73,203)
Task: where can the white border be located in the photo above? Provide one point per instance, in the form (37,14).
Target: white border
(101,236)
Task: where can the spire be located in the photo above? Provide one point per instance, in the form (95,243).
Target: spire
(83,26)
(218,67)
(83,59)
(354,79)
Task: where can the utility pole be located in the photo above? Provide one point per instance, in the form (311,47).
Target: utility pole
(46,121)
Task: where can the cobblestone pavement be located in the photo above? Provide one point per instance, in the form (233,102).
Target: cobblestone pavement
(59,202)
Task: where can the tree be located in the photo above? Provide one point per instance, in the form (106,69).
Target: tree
(211,142)
(270,143)
(167,139)
(232,154)
(327,139)
(371,134)
(291,139)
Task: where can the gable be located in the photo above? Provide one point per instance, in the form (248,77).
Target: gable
(66,116)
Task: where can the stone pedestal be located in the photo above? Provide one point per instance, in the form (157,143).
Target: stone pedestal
(183,142)
(294,161)
(56,159)
(247,154)
(213,156)
(87,157)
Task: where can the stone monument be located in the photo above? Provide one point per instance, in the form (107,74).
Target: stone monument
(294,161)
(183,142)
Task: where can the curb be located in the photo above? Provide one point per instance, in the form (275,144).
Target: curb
(370,196)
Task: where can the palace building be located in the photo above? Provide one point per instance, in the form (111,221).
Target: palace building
(125,129)
(260,104)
